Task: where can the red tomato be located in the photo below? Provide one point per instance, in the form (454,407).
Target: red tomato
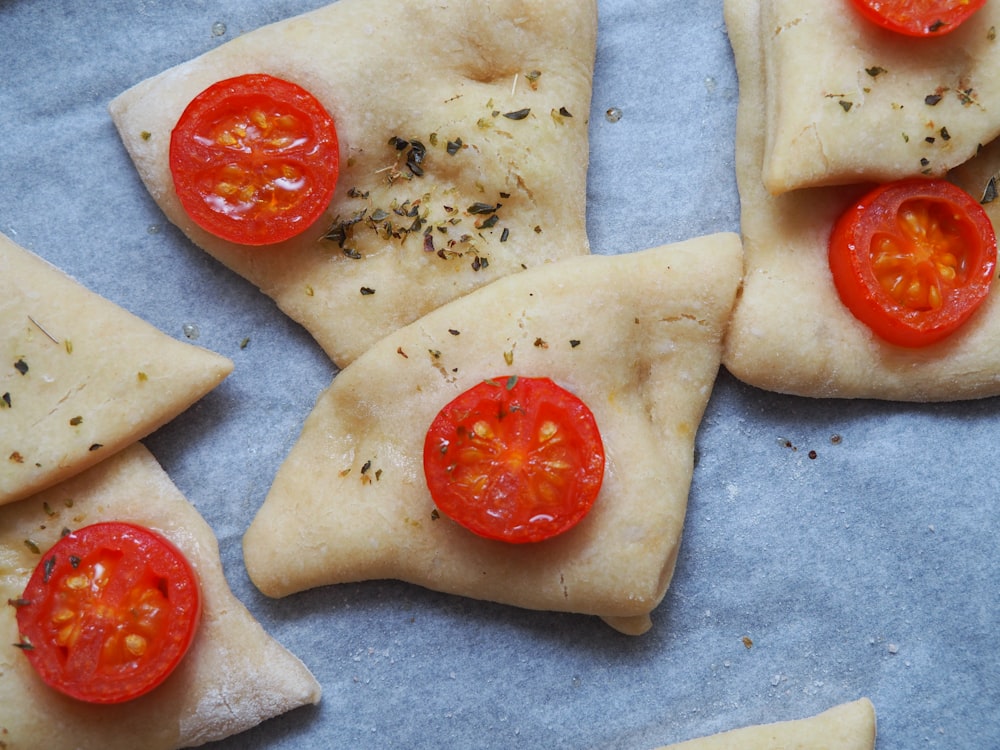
(918,17)
(254,159)
(913,259)
(514,459)
(109,612)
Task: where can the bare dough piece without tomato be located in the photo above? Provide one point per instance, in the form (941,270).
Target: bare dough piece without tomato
(849,726)
(80,377)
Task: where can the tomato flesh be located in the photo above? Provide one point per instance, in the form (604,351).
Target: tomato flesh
(109,612)
(515,459)
(918,17)
(255,159)
(913,260)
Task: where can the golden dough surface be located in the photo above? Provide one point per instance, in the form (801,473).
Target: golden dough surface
(233,677)
(636,336)
(847,102)
(80,377)
(790,332)
(405,244)
(849,726)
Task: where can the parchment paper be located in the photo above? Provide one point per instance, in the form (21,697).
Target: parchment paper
(832,549)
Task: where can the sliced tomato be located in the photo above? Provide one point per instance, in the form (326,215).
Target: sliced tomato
(913,259)
(918,17)
(515,459)
(255,159)
(109,612)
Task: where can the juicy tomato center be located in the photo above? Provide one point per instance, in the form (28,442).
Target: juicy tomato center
(519,460)
(924,260)
(257,177)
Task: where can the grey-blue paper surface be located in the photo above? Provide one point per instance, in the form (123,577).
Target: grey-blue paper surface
(832,549)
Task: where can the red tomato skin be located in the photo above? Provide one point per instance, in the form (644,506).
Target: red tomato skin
(130,596)
(275,214)
(919,18)
(505,512)
(861,291)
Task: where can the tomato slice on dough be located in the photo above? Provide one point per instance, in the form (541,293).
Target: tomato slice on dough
(515,459)
(109,612)
(254,159)
(913,259)
(918,17)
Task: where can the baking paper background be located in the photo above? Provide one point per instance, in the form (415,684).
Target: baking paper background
(832,549)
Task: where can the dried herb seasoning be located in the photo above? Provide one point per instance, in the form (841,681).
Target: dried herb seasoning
(518,114)
(367,291)
(932,100)
(454,146)
(21,366)
(990,193)
(5,401)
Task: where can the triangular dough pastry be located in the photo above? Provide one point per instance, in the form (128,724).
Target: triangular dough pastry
(849,726)
(636,336)
(442,74)
(790,332)
(233,677)
(846,101)
(80,377)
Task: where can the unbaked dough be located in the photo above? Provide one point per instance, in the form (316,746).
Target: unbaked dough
(80,377)
(445,73)
(846,101)
(636,336)
(233,677)
(849,726)
(790,332)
